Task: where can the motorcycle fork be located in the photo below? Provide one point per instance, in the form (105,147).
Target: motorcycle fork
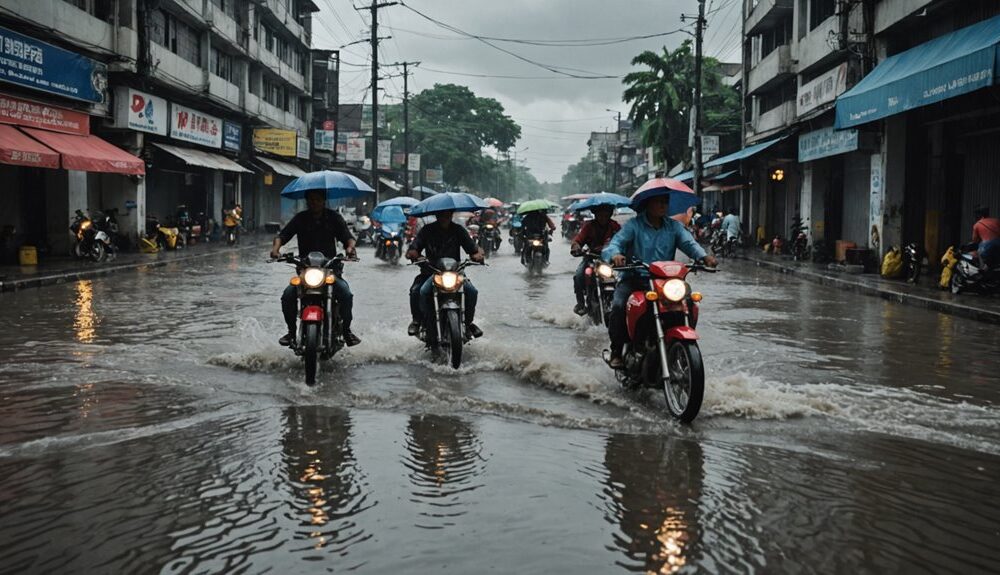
(661,338)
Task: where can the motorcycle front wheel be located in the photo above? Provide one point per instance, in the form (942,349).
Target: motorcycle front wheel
(957,283)
(311,353)
(684,385)
(455,339)
(97,251)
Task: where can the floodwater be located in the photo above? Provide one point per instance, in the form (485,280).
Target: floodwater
(150,423)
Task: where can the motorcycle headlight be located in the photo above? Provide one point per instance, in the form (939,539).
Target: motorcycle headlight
(536,243)
(489,226)
(85,224)
(605,271)
(313,277)
(447,281)
(675,290)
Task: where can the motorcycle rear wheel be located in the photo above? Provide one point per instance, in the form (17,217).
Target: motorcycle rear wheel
(684,386)
(957,283)
(455,340)
(310,354)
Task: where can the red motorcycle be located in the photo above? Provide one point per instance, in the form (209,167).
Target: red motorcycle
(662,351)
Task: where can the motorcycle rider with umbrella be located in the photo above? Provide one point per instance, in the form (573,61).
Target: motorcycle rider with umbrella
(594,234)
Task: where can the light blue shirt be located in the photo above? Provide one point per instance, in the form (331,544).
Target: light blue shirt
(638,239)
(731,224)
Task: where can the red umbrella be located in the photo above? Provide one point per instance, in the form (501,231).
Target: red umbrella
(493,202)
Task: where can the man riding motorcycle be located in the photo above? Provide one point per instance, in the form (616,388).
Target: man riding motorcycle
(537,223)
(986,237)
(441,239)
(650,236)
(318,229)
(594,234)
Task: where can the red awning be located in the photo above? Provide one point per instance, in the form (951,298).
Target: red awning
(89,153)
(20,150)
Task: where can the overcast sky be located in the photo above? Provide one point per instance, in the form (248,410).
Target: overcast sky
(556,114)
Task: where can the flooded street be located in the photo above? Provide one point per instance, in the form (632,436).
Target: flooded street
(149,422)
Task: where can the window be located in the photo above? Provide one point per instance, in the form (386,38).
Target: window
(275,94)
(820,10)
(225,66)
(784,93)
(303,107)
(102,9)
(176,36)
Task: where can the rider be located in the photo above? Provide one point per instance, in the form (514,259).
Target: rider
(986,233)
(594,234)
(537,223)
(731,225)
(650,236)
(441,239)
(318,229)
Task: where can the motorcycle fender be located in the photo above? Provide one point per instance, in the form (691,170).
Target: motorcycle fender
(635,308)
(681,332)
(450,304)
(312,313)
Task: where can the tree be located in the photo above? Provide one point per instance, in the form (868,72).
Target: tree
(662,96)
(450,126)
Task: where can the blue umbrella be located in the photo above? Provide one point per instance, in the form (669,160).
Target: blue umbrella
(681,196)
(403,202)
(448,202)
(337,185)
(601,199)
(389,214)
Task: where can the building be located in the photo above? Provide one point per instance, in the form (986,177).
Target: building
(213,96)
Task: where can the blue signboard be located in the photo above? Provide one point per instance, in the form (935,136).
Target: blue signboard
(826,142)
(39,65)
(232,136)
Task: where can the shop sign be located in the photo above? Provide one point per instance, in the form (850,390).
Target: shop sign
(329,126)
(268,179)
(875,205)
(367,165)
(709,146)
(140,111)
(356,149)
(277,142)
(193,126)
(398,160)
(232,136)
(323,139)
(413,164)
(822,90)
(302,149)
(34,115)
(433,176)
(384,154)
(39,65)
(826,142)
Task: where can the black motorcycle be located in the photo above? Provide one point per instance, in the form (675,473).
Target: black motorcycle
(449,333)
(912,262)
(321,331)
(800,245)
(96,238)
(489,239)
(970,274)
(533,255)
(599,288)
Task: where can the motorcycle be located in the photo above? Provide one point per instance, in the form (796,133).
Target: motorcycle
(533,255)
(912,262)
(389,245)
(718,242)
(188,227)
(232,222)
(662,351)
(517,236)
(364,230)
(320,333)
(489,239)
(161,237)
(800,245)
(971,275)
(450,333)
(599,278)
(94,237)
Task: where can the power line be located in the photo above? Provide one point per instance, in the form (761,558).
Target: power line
(568,43)
(504,77)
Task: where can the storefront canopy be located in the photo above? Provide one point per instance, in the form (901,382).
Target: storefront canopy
(954,64)
(18,149)
(89,153)
(283,168)
(390,184)
(202,159)
(742,154)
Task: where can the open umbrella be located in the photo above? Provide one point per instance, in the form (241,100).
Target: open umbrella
(336,185)
(389,215)
(535,205)
(601,199)
(493,202)
(574,197)
(681,196)
(448,202)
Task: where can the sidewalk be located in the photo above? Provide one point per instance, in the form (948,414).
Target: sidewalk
(61,270)
(927,295)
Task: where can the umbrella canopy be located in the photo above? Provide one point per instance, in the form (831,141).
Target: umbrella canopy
(681,196)
(389,214)
(404,201)
(574,197)
(448,202)
(493,202)
(337,185)
(535,205)
(601,199)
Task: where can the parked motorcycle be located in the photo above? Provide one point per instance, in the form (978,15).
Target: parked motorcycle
(450,333)
(365,231)
(389,245)
(800,245)
(95,238)
(600,279)
(320,333)
(662,351)
(533,255)
(163,237)
(970,274)
(189,228)
(912,262)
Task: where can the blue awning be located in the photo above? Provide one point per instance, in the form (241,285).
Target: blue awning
(684,176)
(954,64)
(744,153)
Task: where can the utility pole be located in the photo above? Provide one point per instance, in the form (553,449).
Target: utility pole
(618,154)
(374,43)
(699,34)
(406,118)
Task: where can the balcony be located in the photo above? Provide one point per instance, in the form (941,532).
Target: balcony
(76,25)
(776,118)
(293,77)
(172,69)
(225,27)
(223,90)
(269,59)
(281,11)
(815,48)
(775,68)
(888,14)
(766,14)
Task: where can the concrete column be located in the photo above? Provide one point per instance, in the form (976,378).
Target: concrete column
(77,198)
(214,209)
(894,185)
(806,200)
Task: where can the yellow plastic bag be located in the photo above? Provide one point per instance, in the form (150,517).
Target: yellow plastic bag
(892,263)
(948,261)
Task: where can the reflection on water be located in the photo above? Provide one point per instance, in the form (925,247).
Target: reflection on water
(444,460)
(328,489)
(85,322)
(652,492)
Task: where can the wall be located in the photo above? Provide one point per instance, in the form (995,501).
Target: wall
(894,152)
(857,198)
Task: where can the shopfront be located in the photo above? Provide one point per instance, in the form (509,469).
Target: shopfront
(269,145)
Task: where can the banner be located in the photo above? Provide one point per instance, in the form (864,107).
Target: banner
(384,154)
(39,65)
(141,111)
(34,115)
(356,149)
(826,142)
(195,127)
(822,90)
(232,136)
(277,142)
(303,148)
(709,146)
(413,164)
(323,140)
(434,176)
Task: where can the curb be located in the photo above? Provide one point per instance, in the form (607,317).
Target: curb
(951,308)
(72,276)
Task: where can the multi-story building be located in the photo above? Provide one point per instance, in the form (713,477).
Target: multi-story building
(212,95)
